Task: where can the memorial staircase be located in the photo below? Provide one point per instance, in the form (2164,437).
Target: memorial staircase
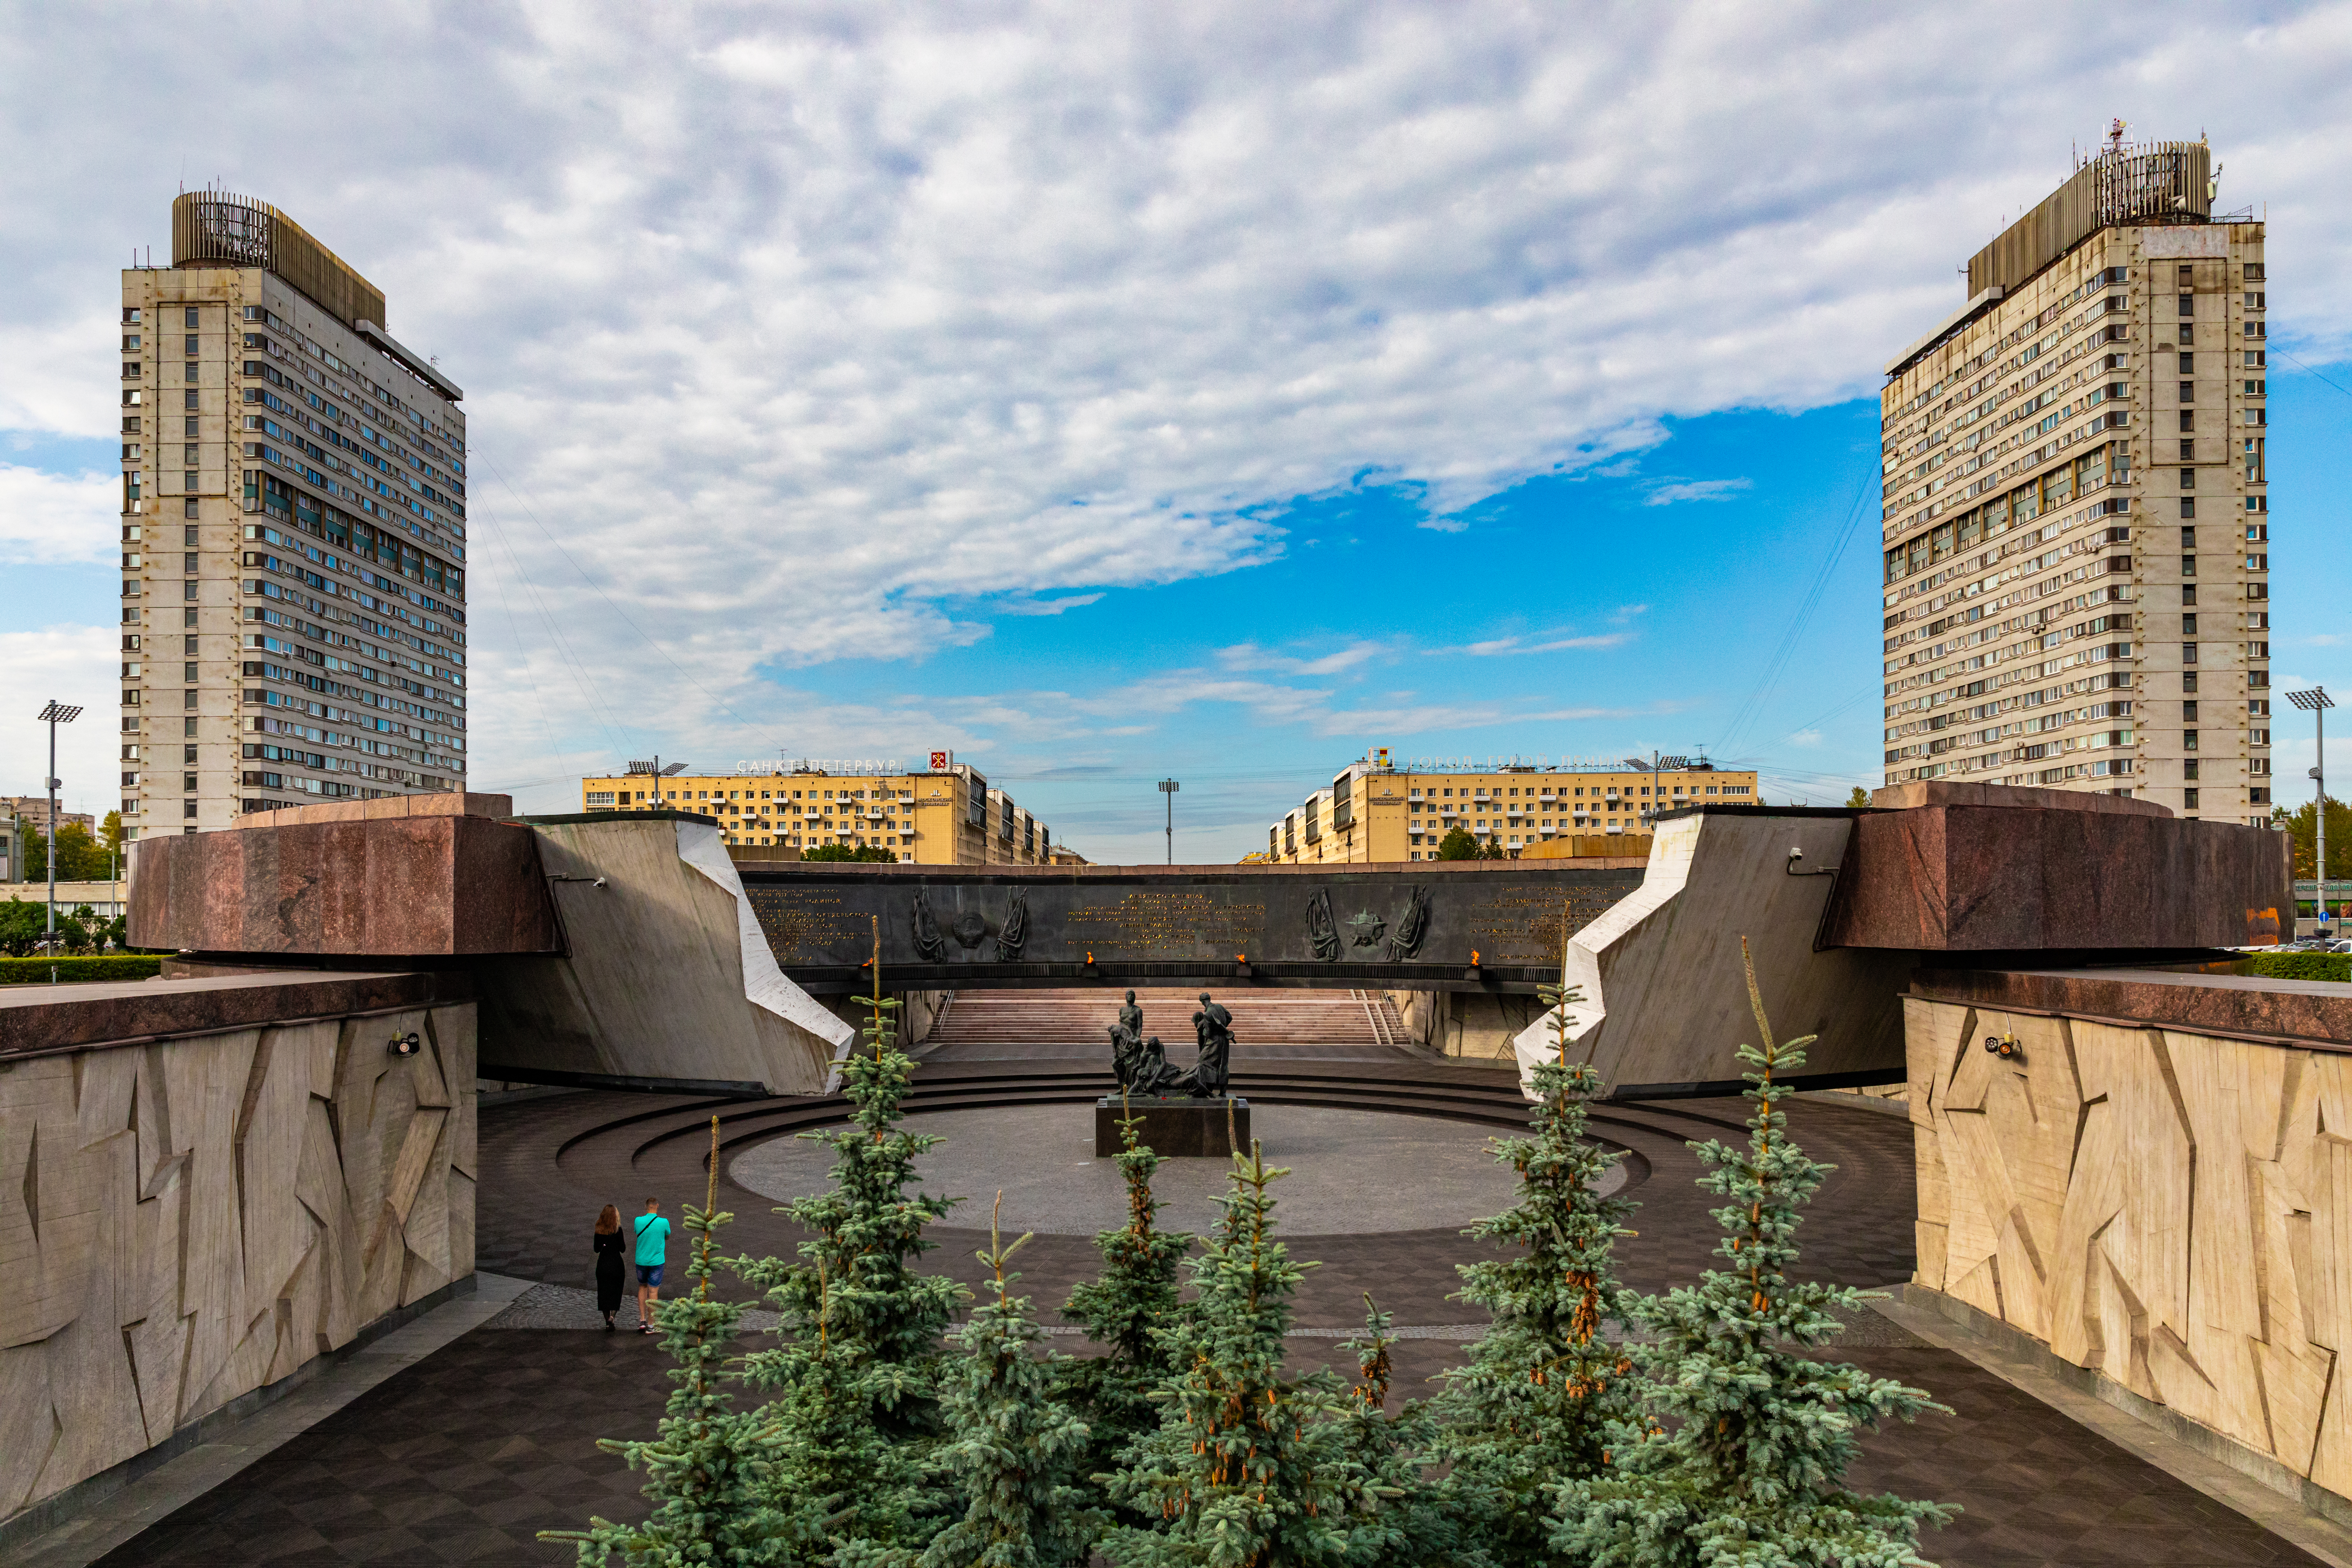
(1073,1023)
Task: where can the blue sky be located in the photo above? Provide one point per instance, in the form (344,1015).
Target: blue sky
(1108,394)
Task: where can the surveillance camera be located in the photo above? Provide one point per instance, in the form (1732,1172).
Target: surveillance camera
(1796,854)
(600,881)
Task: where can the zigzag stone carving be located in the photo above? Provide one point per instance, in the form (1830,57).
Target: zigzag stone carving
(182,1222)
(2172,1209)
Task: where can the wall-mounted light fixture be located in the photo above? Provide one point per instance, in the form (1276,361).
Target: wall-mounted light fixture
(407,1044)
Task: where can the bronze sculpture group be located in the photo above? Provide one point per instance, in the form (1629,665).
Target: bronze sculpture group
(1142,1064)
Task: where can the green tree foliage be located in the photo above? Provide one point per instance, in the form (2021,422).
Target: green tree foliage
(1418,1523)
(22,923)
(1543,1391)
(2302,825)
(856,1360)
(1016,1448)
(1122,1310)
(80,856)
(850,852)
(707,1468)
(1458,845)
(1246,1466)
(25,924)
(1747,1465)
(1860,796)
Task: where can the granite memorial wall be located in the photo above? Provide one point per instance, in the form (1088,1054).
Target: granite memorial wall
(1459,928)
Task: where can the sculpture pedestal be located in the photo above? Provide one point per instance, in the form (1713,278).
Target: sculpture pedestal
(1173,1127)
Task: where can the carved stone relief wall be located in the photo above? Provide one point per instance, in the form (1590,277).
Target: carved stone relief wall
(185,1222)
(2172,1209)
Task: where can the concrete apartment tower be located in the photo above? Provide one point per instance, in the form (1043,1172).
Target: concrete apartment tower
(293,533)
(2077,526)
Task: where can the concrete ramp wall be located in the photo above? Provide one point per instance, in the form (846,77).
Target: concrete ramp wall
(665,972)
(1664,1001)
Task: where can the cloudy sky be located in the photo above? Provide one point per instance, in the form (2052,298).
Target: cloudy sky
(1107,393)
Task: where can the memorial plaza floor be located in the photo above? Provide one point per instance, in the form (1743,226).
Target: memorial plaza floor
(465,1453)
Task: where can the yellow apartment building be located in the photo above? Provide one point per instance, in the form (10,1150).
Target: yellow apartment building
(1375,811)
(943,816)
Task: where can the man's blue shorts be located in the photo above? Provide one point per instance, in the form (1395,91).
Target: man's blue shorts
(649,1275)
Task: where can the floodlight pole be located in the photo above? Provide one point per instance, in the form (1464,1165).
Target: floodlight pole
(50,779)
(2317,700)
(1169,788)
(55,714)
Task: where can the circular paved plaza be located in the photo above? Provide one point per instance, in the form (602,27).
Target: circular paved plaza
(1353,1172)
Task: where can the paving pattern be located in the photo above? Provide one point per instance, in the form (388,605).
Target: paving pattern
(463,1457)
(1041,1158)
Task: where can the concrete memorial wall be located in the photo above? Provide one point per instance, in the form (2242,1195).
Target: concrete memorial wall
(184,1220)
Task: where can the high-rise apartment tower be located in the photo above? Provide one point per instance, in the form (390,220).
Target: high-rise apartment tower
(2077,527)
(293,533)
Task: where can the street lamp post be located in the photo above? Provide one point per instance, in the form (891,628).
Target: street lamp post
(1657,761)
(1168,788)
(55,714)
(2318,702)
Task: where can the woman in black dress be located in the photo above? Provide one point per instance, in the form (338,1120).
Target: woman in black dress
(611,1269)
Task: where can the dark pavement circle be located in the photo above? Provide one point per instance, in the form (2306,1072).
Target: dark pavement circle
(465,1456)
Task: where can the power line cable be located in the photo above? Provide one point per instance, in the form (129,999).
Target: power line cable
(1749,710)
(2309,372)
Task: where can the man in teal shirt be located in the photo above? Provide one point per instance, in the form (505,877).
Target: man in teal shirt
(652,1248)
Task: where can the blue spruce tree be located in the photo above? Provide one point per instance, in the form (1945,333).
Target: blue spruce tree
(1246,1467)
(1405,1520)
(1015,1448)
(1746,1465)
(856,1360)
(1136,1294)
(1543,1389)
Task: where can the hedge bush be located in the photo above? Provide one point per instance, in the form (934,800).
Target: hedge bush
(37,971)
(2298,965)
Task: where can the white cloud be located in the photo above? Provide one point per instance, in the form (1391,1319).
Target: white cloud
(1495,648)
(1666,492)
(1805,738)
(49,519)
(795,325)
(1249,655)
(1021,607)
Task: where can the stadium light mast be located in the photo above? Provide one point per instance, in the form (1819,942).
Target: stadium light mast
(2318,702)
(55,714)
(1168,788)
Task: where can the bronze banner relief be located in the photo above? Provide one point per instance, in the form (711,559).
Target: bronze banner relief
(1378,926)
